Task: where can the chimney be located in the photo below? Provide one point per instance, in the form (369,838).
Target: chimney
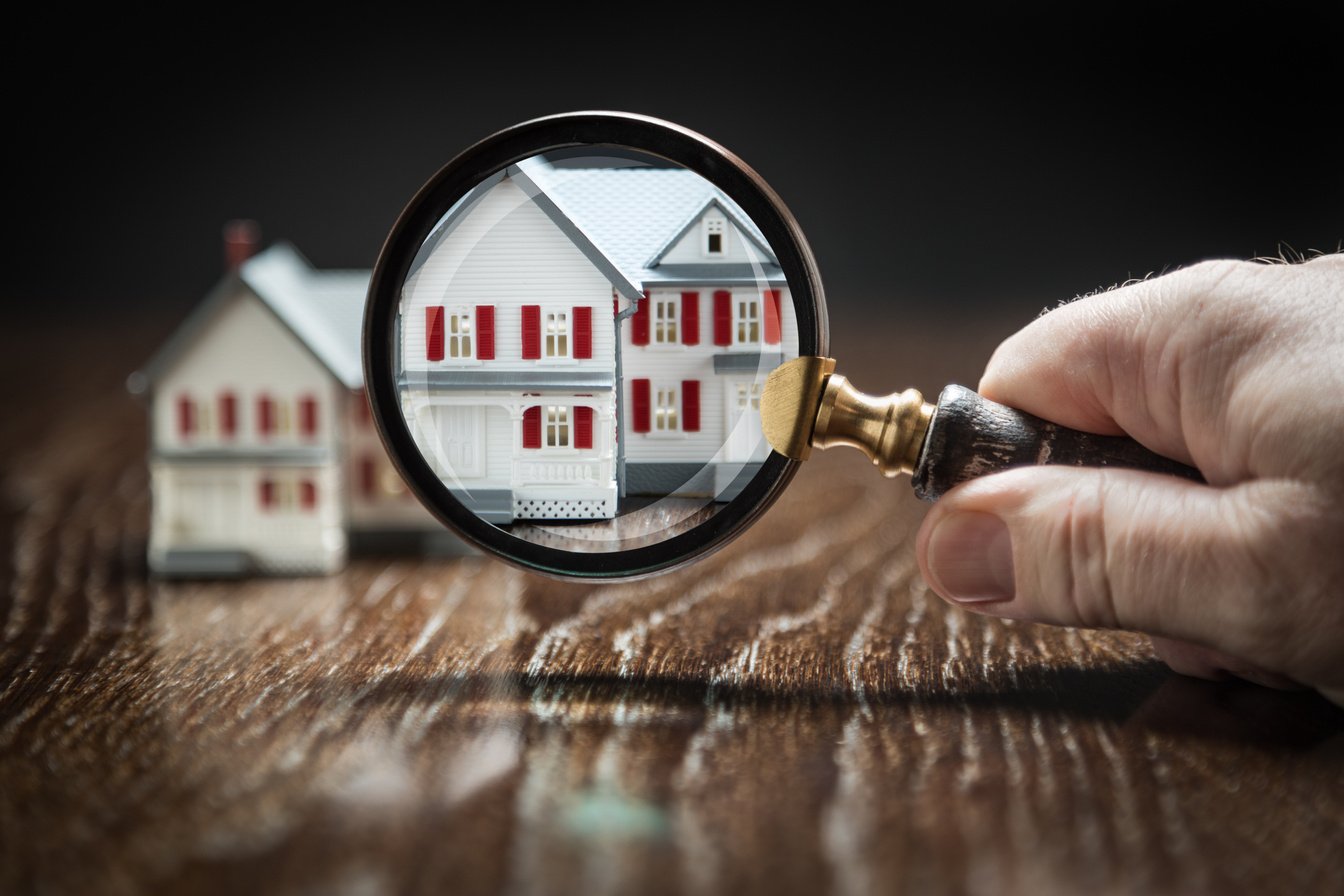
(242,238)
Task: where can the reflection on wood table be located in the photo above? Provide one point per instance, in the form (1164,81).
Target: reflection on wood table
(794,714)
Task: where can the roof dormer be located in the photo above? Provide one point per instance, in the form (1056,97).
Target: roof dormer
(713,235)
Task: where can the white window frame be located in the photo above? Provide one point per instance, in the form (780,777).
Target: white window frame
(458,334)
(203,421)
(745,394)
(714,225)
(285,494)
(666,322)
(282,417)
(747,323)
(557,337)
(665,410)
(557,428)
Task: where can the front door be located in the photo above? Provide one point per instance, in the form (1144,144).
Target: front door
(462,440)
(207,509)
(743,419)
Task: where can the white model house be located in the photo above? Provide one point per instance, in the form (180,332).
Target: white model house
(263,457)
(570,336)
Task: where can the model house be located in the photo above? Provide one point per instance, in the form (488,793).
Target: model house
(263,457)
(572,336)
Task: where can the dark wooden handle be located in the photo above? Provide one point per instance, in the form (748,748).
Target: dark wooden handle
(970,436)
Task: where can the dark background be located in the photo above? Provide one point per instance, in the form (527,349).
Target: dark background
(958,164)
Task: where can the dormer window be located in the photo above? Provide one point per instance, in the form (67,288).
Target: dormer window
(713,235)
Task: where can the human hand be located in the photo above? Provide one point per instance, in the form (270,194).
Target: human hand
(1236,368)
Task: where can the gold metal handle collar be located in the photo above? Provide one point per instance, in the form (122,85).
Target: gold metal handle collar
(889,429)
(806,404)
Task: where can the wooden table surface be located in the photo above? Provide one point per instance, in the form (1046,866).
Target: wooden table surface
(796,714)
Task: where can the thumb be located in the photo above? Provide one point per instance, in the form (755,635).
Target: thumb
(1112,548)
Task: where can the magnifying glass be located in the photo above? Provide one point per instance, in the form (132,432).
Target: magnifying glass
(596,346)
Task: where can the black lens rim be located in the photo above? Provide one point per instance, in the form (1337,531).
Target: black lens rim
(495,153)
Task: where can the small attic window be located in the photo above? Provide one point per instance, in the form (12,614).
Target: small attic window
(713,235)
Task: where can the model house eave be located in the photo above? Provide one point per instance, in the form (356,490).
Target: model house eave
(292,304)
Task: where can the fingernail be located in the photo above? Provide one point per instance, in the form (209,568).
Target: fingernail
(971,556)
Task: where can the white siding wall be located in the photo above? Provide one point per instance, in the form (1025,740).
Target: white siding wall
(690,249)
(389,505)
(217,506)
(670,364)
(245,350)
(507,253)
(502,439)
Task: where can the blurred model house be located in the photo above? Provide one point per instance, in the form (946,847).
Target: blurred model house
(263,456)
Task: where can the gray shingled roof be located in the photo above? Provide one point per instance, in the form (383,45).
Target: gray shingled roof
(324,309)
(633,215)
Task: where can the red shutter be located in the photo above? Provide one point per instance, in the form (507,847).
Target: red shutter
(267,494)
(186,416)
(228,414)
(639,405)
(639,324)
(690,405)
(531,332)
(307,494)
(265,415)
(485,332)
(770,310)
(434,333)
(583,331)
(583,427)
(308,416)
(368,475)
(532,427)
(723,317)
(690,318)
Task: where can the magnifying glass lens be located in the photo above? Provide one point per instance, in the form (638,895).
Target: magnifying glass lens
(567,349)
(584,339)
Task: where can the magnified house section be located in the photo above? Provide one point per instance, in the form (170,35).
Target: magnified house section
(580,336)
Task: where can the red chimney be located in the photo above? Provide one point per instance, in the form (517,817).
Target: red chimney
(242,238)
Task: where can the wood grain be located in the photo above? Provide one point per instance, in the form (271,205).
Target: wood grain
(796,714)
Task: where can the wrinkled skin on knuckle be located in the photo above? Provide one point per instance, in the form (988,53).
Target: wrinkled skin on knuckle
(1286,612)
(1079,581)
(1308,595)
(1268,361)
(1216,322)
(1251,618)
